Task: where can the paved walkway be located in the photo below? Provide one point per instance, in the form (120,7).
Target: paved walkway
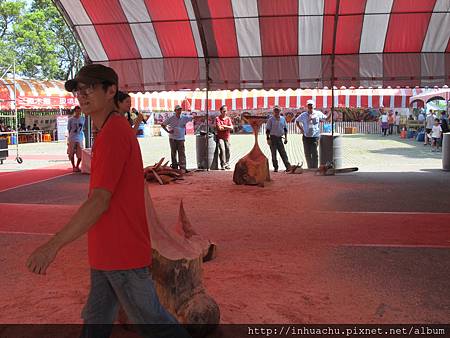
(370,153)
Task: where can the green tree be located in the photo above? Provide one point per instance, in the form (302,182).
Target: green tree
(46,47)
(10,11)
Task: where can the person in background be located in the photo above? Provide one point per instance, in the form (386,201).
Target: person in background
(429,122)
(133,117)
(397,122)
(175,126)
(224,126)
(276,127)
(124,105)
(308,123)
(391,121)
(421,117)
(75,139)
(436,134)
(35,127)
(384,123)
(445,126)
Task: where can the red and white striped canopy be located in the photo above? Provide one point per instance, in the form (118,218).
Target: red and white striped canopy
(165,44)
(266,99)
(34,94)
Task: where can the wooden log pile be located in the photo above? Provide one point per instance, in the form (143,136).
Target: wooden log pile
(162,173)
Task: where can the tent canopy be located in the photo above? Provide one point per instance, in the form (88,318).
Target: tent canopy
(254,44)
(35,94)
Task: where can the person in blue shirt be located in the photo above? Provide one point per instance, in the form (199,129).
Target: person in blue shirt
(175,126)
(308,123)
(276,127)
(75,139)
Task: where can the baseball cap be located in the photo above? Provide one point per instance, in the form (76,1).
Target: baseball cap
(310,102)
(276,108)
(177,107)
(92,74)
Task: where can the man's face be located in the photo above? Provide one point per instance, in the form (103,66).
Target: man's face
(223,112)
(94,98)
(77,112)
(178,111)
(276,113)
(310,107)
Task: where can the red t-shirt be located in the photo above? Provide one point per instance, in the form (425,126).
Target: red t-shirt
(120,239)
(223,134)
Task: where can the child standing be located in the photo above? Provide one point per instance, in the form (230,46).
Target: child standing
(436,133)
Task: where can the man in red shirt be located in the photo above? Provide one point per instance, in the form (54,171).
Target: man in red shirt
(119,246)
(224,126)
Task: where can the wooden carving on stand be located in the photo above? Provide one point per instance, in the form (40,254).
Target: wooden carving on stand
(178,255)
(253,168)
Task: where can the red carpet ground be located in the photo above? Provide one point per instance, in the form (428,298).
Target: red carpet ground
(361,248)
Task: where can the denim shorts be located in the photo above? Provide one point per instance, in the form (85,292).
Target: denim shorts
(133,290)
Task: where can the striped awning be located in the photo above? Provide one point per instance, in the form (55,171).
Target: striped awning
(264,44)
(287,99)
(34,94)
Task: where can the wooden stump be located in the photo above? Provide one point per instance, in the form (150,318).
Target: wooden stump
(178,254)
(253,168)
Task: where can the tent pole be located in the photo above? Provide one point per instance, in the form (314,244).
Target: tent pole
(201,32)
(333,55)
(332,108)
(207,114)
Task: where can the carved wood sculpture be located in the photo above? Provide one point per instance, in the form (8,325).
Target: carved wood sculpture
(253,168)
(178,255)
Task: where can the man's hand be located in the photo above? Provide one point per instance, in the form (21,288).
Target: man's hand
(268,141)
(41,258)
(285,140)
(170,131)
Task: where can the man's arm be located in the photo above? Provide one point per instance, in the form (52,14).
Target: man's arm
(87,215)
(299,125)
(137,122)
(230,126)
(325,117)
(164,126)
(217,125)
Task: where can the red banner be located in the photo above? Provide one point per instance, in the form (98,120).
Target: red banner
(36,102)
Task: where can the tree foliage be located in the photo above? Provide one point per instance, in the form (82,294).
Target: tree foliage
(39,40)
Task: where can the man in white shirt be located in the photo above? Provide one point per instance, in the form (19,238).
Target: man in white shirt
(436,135)
(276,127)
(429,122)
(308,123)
(177,131)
